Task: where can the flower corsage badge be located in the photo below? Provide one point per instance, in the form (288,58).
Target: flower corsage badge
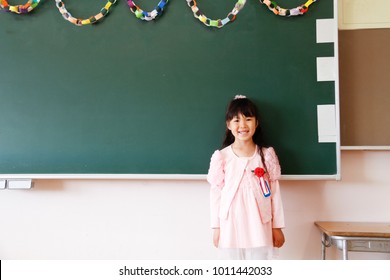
(259,173)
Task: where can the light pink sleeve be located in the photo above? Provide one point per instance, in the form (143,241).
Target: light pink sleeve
(272,163)
(277,206)
(216,178)
(274,170)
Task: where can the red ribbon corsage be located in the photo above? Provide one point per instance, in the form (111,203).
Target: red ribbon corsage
(259,173)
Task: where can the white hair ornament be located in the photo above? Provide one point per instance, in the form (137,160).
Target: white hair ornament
(239,96)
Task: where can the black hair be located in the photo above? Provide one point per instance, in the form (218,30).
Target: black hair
(246,107)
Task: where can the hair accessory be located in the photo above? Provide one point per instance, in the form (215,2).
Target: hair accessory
(239,96)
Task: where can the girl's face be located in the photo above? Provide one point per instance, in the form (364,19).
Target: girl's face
(243,128)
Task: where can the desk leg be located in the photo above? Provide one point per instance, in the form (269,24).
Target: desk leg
(345,250)
(323,246)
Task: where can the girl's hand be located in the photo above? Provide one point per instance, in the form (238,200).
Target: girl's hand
(277,237)
(216,237)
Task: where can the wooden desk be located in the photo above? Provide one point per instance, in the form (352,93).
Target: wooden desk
(354,236)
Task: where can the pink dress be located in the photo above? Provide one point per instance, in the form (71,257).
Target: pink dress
(238,207)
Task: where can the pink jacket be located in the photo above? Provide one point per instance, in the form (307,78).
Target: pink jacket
(225,174)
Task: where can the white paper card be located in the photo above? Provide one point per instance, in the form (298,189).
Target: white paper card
(326,69)
(2,184)
(326,116)
(325,30)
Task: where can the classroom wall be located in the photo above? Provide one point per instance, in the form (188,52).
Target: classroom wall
(154,219)
(141,219)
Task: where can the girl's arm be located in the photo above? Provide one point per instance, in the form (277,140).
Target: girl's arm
(277,206)
(215,200)
(216,178)
(274,170)
(277,216)
(216,237)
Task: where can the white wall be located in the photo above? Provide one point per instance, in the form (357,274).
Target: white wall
(139,219)
(362,14)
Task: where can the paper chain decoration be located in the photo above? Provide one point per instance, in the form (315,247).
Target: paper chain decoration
(93,19)
(215,23)
(19,9)
(148,16)
(300,10)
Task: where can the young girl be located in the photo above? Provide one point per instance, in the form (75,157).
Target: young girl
(246,206)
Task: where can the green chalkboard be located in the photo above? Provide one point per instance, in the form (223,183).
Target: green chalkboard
(125,96)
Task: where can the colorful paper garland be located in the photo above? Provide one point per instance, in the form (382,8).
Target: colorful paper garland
(158,10)
(148,16)
(79,22)
(300,10)
(218,22)
(19,9)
